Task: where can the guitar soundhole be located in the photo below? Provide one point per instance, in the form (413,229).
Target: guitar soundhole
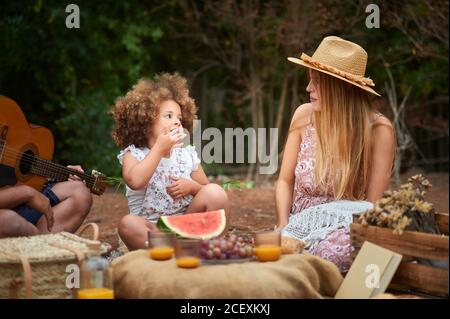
(26,162)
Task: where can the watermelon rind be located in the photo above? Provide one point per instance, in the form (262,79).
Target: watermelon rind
(164,225)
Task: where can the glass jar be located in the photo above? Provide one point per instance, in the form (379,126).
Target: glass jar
(187,253)
(96,276)
(268,245)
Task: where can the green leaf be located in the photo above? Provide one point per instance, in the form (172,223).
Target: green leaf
(157,34)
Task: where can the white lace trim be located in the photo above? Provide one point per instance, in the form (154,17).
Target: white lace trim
(138,153)
(316,223)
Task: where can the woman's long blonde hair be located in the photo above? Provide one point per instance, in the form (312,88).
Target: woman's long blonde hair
(343,148)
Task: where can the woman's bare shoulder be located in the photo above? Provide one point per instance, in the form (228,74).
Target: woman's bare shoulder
(382,121)
(383,129)
(302,116)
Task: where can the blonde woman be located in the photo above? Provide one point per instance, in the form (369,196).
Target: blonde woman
(338,155)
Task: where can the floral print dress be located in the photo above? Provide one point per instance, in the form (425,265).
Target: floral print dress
(337,246)
(153,201)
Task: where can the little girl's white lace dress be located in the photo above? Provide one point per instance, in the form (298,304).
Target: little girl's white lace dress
(153,201)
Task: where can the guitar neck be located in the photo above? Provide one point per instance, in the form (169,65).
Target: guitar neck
(28,153)
(58,172)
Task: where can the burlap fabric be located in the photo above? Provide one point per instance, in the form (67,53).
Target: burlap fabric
(293,276)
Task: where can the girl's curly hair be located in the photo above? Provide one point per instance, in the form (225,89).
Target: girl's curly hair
(135,112)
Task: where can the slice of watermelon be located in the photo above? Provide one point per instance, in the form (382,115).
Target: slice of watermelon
(196,225)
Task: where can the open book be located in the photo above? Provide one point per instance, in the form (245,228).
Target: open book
(370,273)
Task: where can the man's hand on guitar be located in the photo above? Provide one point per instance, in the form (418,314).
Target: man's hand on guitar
(41,203)
(75,177)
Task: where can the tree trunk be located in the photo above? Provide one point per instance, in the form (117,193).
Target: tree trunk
(254,112)
(280,114)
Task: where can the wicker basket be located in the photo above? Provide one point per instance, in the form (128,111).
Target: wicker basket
(35,267)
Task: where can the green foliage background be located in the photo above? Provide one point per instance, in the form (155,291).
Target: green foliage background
(67,79)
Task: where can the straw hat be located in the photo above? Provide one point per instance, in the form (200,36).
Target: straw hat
(342,59)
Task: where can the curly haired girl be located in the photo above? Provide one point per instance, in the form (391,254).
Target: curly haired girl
(162,177)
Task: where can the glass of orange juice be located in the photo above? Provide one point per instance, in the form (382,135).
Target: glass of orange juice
(161,244)
(187,253)
(96,293)
(267,245)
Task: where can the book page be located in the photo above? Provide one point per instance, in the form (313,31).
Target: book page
(366,275)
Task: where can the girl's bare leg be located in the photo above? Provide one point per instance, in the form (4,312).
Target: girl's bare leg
(210,197)
(133,231)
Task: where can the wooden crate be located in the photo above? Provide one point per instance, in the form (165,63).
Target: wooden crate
(411,245)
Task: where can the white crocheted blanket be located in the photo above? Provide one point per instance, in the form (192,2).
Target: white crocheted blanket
(316,223)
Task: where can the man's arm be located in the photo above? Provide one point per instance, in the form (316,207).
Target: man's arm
(22,194)
(14,196)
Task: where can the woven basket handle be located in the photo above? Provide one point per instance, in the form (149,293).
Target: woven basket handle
(81,257)
(94,227)
(27,278)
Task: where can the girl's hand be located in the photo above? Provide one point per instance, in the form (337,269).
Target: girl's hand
(182,187)
(167,140)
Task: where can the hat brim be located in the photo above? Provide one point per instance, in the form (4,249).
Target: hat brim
(308,65)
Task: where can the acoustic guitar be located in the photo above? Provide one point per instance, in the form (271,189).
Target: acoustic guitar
(26,152)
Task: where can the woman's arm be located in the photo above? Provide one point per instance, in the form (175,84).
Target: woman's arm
(383,153)
(285,184)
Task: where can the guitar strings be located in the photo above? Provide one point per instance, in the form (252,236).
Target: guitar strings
(31,158)
(59,176)
(54,169)
(45,170)
(12,154)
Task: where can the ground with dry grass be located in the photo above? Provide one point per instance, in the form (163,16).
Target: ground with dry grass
(252,209)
